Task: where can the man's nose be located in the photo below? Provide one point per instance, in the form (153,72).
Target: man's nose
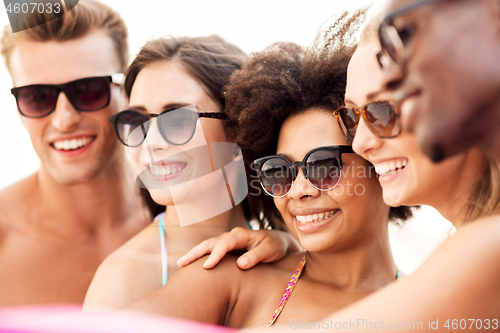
(65,117)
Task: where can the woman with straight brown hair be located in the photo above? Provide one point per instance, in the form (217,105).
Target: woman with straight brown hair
(174,130)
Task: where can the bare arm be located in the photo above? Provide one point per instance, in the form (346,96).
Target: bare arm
(196,294)
(128,274)
(263,245)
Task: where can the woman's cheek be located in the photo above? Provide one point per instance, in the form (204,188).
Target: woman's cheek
(281,204)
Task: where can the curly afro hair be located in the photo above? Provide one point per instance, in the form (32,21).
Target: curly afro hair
(282,80)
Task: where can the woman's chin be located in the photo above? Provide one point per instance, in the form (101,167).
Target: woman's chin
(161,197)
(394,199)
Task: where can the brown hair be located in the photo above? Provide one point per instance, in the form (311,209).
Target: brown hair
(283,80)
(210,60)
(86,17)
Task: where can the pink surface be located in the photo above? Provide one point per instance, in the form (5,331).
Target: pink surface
(68,319)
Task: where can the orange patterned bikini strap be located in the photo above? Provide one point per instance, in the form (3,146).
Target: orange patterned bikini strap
(288,292)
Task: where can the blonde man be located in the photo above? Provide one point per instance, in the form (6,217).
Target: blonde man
(57,225)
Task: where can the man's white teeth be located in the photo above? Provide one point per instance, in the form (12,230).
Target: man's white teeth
(72,144)
(304,219)
(159,170)
(390,168)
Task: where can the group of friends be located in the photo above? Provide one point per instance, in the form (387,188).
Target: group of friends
(344,137)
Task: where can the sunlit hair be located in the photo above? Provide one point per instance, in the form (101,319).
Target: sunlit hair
(374,17)
(284,80)
(86,17)
(485,199)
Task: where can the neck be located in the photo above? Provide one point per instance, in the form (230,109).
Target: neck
(212,227)
(363,268)
(110,198)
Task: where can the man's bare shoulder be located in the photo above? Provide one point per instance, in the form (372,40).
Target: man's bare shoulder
(16,202)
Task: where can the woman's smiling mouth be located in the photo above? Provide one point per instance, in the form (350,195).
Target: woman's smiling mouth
(304,219)
(163,170)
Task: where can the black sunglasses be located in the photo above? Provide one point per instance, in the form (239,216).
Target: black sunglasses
(381,117)
(176,126)
(321,167)
(87,94)
(393,40)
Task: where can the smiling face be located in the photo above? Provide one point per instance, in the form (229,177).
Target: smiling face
(161,86)
(339,218)
(407,176)
(449,88)
(74,147)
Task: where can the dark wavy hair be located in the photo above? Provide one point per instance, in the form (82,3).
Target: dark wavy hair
(283,80)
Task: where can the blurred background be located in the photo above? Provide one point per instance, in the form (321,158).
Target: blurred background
(250,25)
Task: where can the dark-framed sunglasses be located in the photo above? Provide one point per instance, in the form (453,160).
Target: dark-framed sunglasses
(393,40)
(87,94)
(321,167)
(176,126)
(382,118)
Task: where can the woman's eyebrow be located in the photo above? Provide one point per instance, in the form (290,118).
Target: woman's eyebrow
(348,101)
(175,105)
(286,156)
(139,108)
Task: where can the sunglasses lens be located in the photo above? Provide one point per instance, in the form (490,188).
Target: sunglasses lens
(349,122)
(276,176)
(89,94)
(178,125)
(323,169)
(131,127)
(36,101)
(383,119)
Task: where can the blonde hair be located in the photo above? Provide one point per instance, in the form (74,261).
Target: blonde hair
(485,198)
(86,17)
(374,17)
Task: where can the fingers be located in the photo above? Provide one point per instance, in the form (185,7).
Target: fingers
(236,239)
(266,251)
(198,251)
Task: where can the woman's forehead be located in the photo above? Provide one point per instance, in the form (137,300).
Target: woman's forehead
(305,131)
(363,73)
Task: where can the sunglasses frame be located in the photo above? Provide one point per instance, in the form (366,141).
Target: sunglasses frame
(114,121)
(117,78)
(388,23)
(361,112)
(338,150)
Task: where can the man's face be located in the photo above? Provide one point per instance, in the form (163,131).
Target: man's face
(449,88)
(74,147)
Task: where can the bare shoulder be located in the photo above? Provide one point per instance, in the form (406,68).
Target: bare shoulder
(128,274)
(186,293)
(461,277)
(477,242)
(14,201)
